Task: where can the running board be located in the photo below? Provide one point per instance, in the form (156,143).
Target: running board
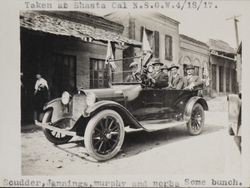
(155,125)
(62,131)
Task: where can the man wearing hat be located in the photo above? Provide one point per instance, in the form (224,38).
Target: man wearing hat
(134,68)
(175,80)
(158,78)
(191,81)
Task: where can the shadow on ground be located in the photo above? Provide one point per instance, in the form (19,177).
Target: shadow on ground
(140,141)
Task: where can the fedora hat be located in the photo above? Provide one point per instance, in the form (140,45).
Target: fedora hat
(189,66)
(133,64)
(156,61)
(173,66)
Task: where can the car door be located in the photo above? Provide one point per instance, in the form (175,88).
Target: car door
(147,105)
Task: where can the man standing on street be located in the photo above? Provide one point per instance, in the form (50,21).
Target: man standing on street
(191,81)
(40,95)
(175,80)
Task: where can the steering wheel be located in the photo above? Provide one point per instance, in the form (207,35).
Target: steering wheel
(138,77)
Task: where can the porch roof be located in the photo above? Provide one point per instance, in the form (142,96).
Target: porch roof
(37,21)
(221,46)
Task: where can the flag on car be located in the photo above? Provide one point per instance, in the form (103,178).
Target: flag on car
(146,49)
(145,43)
(110,56)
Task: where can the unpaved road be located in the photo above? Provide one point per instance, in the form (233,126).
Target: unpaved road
(171,151)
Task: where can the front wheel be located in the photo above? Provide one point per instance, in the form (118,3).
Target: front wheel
(196,122)
(53,136)
(104,135)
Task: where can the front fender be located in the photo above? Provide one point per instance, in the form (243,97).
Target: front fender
(100,104)
(127,117)
(190,104)
(59,111)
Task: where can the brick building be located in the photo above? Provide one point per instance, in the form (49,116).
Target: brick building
(69,50)
(162,33)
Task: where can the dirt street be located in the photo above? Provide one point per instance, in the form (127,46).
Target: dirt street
(171,151)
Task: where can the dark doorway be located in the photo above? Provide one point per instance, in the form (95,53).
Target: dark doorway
(64,76)
(214,77)
(221,79)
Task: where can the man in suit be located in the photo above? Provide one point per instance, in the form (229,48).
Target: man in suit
(175,80)
(158,78)
(191,81)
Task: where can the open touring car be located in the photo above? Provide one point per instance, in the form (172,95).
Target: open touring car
(100,116)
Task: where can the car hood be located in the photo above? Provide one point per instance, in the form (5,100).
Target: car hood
(117,91)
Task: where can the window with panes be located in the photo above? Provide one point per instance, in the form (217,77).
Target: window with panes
(98,73)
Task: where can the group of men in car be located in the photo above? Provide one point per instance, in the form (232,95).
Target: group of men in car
(160,78)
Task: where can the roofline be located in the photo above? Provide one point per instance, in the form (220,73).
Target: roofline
(168,18)
(222,50)
(154,12)
(101,21)
(116,37)
(185,37)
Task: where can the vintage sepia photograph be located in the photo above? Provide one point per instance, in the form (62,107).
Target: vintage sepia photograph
(127,94)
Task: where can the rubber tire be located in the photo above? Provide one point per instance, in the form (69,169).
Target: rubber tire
(189,127)
(89,131)
(47,132)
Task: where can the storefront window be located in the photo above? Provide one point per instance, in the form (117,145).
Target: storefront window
(98,73)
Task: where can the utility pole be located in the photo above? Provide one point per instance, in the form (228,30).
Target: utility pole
(236,28)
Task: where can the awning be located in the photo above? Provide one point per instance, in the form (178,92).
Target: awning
(34,20)
(221,46)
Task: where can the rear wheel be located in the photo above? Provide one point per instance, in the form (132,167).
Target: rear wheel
(104,135)
(53,136)
(196,122)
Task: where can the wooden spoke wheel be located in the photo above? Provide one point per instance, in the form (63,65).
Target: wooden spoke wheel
(196,122)
(104,135)
(53,136)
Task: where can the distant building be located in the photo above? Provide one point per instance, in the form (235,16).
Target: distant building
(162,33)
(68,49)
(193,52)
(222,67)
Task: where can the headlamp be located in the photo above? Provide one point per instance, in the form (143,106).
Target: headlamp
(65,97)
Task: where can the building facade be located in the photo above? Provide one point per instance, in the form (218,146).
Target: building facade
(162,33)
(223,72)
(193,52)
(69,50)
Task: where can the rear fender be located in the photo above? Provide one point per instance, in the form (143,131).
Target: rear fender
(190,104)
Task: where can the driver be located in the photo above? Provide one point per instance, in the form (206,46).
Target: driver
(158,78)
(191,80)
(132,76)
